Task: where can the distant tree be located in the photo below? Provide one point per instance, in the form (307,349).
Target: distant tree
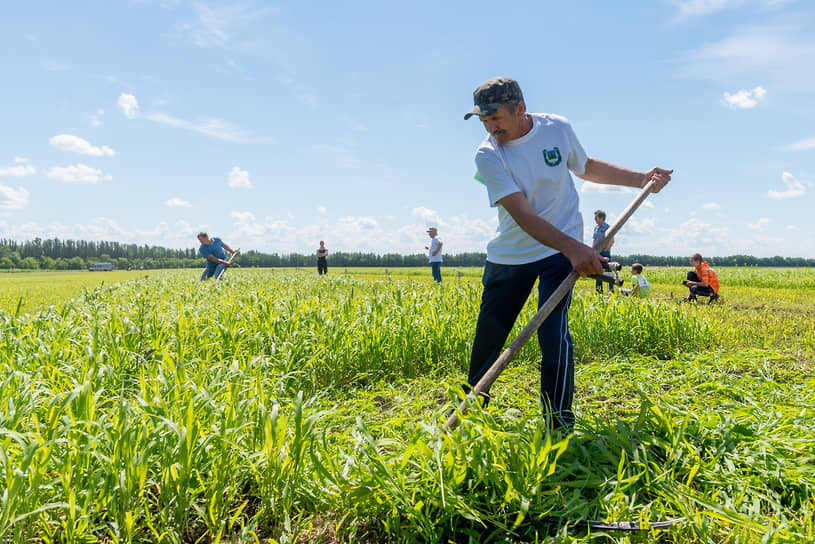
(59,254)
(15,258)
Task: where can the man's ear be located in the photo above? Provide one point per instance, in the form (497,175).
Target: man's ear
(520,109)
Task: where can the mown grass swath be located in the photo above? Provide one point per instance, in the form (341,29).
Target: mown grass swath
(289,407)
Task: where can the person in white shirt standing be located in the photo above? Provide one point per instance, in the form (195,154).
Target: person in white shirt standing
(525,163)
(434,253)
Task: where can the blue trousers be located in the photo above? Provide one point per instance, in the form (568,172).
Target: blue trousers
(212,269)
(598,285)
(506,288)
(435,269)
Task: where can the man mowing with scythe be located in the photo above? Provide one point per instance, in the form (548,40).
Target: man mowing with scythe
(212,249)
(525,163)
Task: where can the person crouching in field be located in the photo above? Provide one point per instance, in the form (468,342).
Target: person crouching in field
(212,249)
(639,283)
(702,280)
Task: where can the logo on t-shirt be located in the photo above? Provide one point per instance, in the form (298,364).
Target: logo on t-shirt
(552,157)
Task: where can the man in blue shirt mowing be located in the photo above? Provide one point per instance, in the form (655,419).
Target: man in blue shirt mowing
(212,249)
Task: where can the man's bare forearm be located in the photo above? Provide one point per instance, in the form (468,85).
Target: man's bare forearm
(544,232)
(584,259)
(598,171)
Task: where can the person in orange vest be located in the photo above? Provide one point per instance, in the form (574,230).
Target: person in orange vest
(702,281)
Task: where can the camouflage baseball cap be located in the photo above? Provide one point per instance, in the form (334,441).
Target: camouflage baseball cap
(494,93)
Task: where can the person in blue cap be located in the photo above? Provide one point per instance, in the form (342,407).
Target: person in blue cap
(525,164)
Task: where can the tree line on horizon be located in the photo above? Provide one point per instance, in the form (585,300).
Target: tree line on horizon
(56,254)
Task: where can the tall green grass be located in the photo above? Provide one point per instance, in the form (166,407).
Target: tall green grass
(290,408)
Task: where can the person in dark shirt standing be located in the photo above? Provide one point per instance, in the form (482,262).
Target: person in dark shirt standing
(322,264)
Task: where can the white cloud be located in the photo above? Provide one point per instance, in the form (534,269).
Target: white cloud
(209,29)
(13,199)
(68,142)
(302,94)
(801,145)
(20,170)
(242,217)
(213,26)
(428,217)
(773,54)
(94,117)
(176,235)
(589,187)
(239,178)
(639,226)
(381,235)
(793,227)
(693,235)
(744,99)
(794,188)
(176,202)
(251,232)
(636,232)
(702,7)
(321,210)
(711,206)
(210,126)
(459,233)
(78,173)
(129,105)
(759,225)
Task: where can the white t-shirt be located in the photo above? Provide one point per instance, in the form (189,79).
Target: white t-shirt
(537,165)
(434,245)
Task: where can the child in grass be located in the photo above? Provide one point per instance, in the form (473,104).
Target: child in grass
(639,283)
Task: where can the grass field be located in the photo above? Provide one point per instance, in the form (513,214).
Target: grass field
(278,406)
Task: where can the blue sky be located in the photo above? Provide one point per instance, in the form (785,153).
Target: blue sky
(276,125)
